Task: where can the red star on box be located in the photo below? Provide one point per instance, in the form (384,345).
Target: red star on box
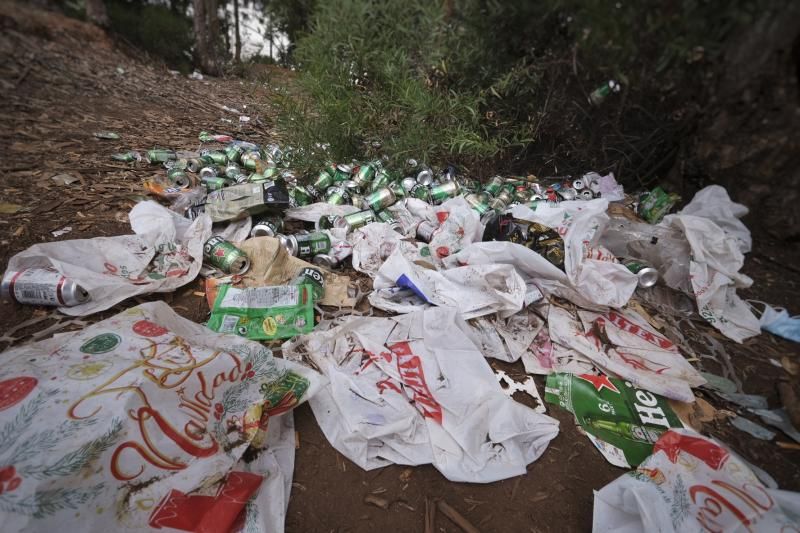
(219,252)
(599,382)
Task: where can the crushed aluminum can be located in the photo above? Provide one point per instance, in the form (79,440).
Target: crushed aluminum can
(409,183)
(426,230)
(325,261)
(325,222)
(178,178)
(568,193)
(425,177)
(42,286)
(586,194)
(601,93)
(647,274)
(268,227)
(208,172)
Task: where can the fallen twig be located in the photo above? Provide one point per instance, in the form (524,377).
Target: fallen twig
(456,517)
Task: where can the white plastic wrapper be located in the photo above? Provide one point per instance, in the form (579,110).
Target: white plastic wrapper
(142,420)
(313,212)
(539,274)
(506,339)
(402,286)
(459,226)
(624,344)
(373,243)
(414,389)
(235,231)
(165,253)
(579,223)
(714,274)
(690,484)
(714,204)
(544,357)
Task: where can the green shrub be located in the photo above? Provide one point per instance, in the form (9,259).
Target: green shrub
(503,85)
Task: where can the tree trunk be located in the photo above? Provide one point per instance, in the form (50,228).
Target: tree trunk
(96,12)
(238,36)
(213,37)
(200,33)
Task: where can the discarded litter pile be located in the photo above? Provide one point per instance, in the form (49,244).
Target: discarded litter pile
(555,272)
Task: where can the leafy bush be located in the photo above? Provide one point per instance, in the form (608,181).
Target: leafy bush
(504,85)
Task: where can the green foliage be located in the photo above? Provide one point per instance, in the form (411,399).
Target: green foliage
(163,32)
(500,83)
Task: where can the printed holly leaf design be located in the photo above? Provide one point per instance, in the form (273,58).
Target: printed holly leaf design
(28,451)
(47,502)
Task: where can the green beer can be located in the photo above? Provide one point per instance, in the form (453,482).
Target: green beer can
(225,256)
(342,173)
(353,221)
(306,245)
(382,179)
(233,153)
(440,193)
(494,186)
(336,196)
(311,276)
(300,195)
(420,192)
(380,199)
(160,156)
(214,156)
(364,174)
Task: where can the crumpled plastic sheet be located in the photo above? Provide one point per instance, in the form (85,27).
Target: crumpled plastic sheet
(165,253)
(373,243)
(544,357)
(506,339)
(415,389)
(459,225)
(313,212)
(713,203)
(235,231)
(715,275)
(624,344)
(693,483)
(143,420)
(591,270)
(402,287)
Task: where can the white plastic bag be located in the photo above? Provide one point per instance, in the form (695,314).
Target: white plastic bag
(624,344)
(313,212)
(414,389)
(142,420)
(689,484)
(598,280)
(714,275)
(473,290)
(165,253)
(373,243)
(714,204)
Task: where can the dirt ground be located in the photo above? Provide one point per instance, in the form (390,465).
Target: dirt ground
(63,80)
